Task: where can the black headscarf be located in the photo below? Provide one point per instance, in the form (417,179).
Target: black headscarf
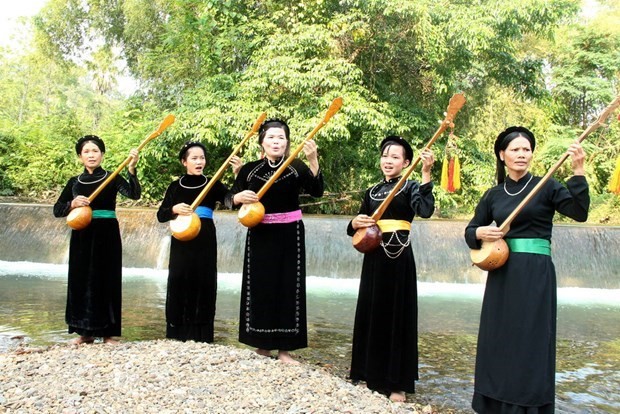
(188,145)
(92,138)
(274,123)
(501,143)
(395,139)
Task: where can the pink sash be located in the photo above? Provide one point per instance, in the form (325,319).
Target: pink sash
(277,218)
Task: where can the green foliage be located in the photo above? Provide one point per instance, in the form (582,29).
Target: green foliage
(586,63)
(217,64)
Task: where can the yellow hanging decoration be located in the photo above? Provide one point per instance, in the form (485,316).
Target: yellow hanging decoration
(614,183)
(451,168)
(444,173)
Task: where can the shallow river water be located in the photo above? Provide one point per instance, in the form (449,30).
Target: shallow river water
(32,300)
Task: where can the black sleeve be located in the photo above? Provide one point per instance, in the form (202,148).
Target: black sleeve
(364,209)
(130,188)
(482,217)
(63,204)
(239,185)
(164,213)
(423,200)
(573,202)
(311,184)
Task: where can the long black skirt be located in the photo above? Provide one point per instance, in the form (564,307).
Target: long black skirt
(273,293)
(385,332)
(515,359)
(192,286)
(94,288)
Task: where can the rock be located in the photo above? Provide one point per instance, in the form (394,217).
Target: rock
(166,376)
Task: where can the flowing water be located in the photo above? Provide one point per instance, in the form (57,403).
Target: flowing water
(33,256)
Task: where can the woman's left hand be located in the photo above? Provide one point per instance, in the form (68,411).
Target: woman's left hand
(134,159)
(236,164)
(310,149)
(428,159)
(578,157)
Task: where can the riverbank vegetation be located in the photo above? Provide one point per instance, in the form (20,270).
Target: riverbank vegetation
(216,65)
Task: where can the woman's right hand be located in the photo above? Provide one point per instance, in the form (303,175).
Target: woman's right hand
(79,201)
(182,209)
(245,197)
(362,221)
(489,233)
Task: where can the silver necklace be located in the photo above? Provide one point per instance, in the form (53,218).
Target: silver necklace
(520,191)
(376,196)
(192,188)
(92,182)
(277,164)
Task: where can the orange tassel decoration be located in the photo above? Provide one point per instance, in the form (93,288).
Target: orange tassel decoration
(614,183)
(451,169)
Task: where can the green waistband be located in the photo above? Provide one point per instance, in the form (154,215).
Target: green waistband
(97,214)
(536,246)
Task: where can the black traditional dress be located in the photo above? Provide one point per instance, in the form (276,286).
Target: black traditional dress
(273,294)
(95,255)
(385,332)
(515,361)
(192,269)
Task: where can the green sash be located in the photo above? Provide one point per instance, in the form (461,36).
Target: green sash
(97,214)
(536,246)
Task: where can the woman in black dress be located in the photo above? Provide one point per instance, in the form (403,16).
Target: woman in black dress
(385,332)
(273,295)
(95,256)
(192,269)
(515,361)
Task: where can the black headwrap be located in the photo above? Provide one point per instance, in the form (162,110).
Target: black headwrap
(188,145)
(273,123)
(92,138)
(395,139)
(502,141)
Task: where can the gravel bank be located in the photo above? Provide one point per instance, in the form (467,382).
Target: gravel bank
(173,377)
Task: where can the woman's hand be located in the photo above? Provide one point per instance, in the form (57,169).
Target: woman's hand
(79,201)
(236,164)
(133,153)
(245,197)
(578,157)
(361,221)
(182,209)
(428,159)
(489,233)
(310,149)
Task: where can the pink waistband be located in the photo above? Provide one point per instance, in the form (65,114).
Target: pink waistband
(289,217)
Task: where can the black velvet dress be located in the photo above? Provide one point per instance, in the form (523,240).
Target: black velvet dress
(94,292)
(273,295)
(192,269)
(385,332)
(515,360)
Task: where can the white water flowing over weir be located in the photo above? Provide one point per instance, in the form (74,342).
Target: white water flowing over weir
(584,256)
(33,270)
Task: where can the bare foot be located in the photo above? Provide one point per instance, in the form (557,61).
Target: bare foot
(397,396)
(82,340)
(110,341)
(263,352)
(286,358)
